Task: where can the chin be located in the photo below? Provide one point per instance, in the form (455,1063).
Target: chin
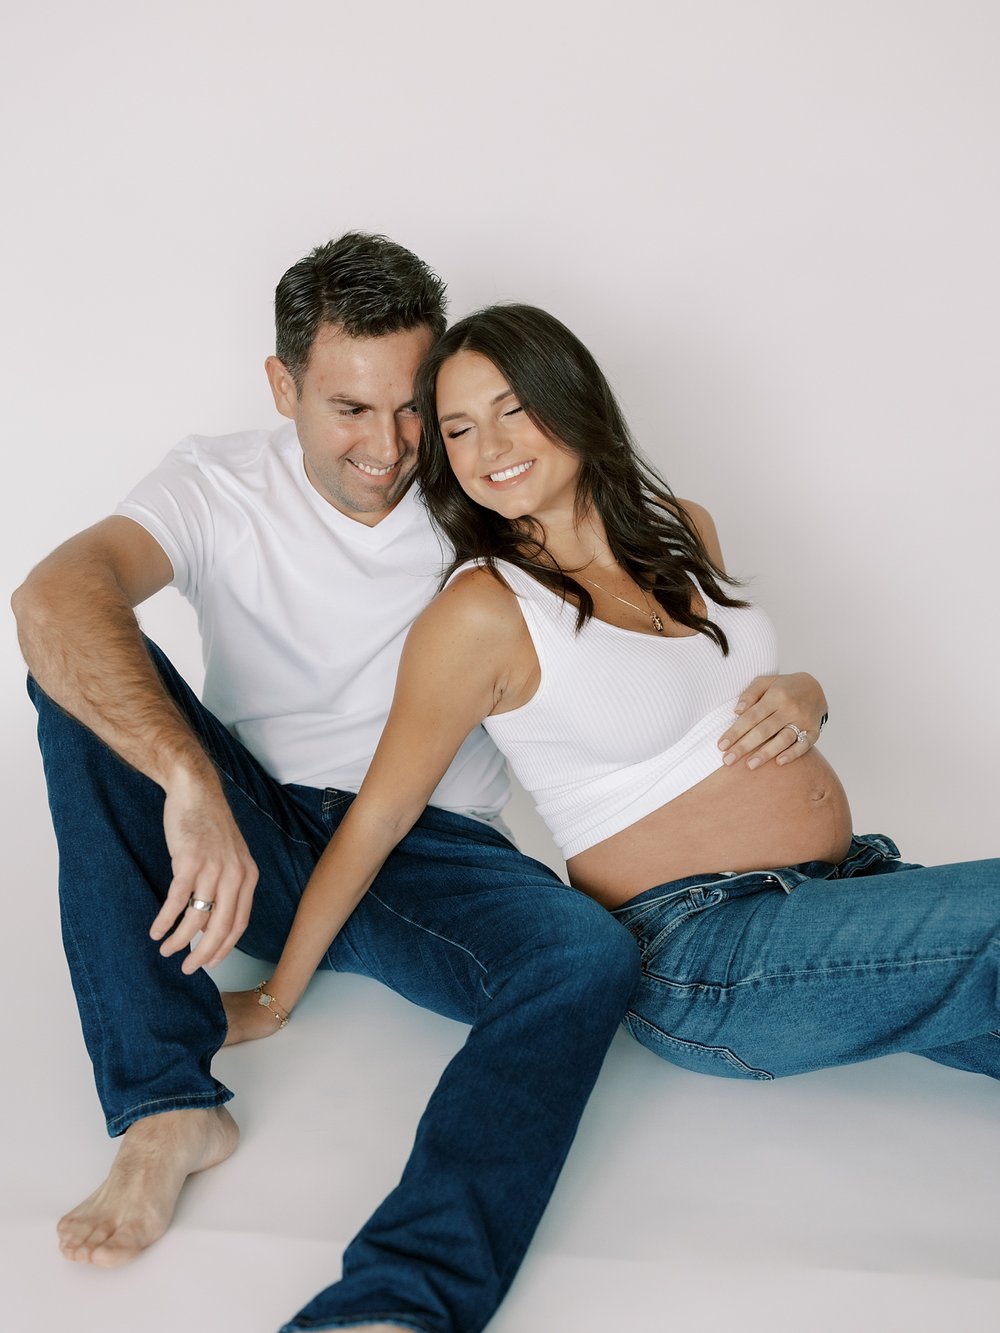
(371,497)
(513,512)
(501,504)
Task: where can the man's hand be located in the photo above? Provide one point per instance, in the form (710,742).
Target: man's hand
(248,1018)
(83,645)
(768,711)
(212,864)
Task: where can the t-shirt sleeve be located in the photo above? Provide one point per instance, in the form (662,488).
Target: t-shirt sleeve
(173,504)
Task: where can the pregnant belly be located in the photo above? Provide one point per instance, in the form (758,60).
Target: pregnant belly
(736,819)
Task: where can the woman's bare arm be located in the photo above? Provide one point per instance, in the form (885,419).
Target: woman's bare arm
(453,670)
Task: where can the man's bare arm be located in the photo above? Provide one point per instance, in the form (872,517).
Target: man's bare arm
(83,645)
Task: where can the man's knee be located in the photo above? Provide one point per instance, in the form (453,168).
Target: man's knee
(35,692)
(611,957)
(50,713)
(591,946)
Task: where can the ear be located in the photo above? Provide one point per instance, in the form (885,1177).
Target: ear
(286,395)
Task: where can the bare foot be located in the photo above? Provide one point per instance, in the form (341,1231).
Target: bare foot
(134,1206)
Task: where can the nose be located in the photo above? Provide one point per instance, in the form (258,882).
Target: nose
(494,444)
(385,440)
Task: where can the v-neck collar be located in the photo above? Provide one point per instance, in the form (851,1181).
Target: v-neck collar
(373,537)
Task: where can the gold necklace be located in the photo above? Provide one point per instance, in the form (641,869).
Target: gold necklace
(654,618)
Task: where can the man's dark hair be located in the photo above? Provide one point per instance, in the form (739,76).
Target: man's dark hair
(562,389)
(368,285)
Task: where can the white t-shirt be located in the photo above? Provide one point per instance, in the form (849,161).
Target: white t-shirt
(302,610)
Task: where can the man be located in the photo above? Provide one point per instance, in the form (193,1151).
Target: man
(306,557)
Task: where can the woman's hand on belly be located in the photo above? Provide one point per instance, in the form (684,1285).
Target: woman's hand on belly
(733,820)
(769,711)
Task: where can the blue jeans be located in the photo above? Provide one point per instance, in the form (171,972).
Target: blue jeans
(458,921)
(777,972)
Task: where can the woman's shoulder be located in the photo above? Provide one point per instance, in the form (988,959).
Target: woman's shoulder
(478,581)
(690,509)
(477,602)
(702,522)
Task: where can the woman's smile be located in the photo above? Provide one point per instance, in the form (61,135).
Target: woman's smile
(509,476)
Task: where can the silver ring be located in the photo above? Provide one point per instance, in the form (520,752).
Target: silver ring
(199,904)
(800,735)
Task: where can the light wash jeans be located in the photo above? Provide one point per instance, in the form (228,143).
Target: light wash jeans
(777,972)
(458,921)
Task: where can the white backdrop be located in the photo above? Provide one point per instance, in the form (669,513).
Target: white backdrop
(775,224)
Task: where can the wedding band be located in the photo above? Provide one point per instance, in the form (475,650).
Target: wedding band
(800,735)
(199,904)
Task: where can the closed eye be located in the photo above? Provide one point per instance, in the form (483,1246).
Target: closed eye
(456,434)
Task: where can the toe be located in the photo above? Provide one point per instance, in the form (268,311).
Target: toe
(76,1250)
(69,1228)
(72,1232)
(116,1250)
(87,1237)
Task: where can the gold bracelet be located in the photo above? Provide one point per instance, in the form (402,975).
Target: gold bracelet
(267,1000)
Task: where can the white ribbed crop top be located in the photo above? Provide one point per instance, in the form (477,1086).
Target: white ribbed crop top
(621,722)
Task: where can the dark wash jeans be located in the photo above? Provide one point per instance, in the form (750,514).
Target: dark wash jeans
(776,972)
(458,921)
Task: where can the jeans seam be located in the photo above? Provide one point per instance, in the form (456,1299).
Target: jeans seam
(84,971)
(663,934)
(303,842)
(354,1321)
(730,1056)
(894,964)
(436,934)
(139,1112)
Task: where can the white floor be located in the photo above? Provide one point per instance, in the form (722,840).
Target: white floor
(850,1200)
(859,1199)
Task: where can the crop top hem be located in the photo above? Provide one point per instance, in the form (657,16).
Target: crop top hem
(699,764)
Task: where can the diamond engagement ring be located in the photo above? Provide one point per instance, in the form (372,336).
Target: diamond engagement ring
(800,735)
(199,904)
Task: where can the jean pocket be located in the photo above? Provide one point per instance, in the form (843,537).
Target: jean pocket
(639,917)
(333,798)
(692,1055)
(657,931)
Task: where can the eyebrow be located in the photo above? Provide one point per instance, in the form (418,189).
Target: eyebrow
(454,416)
(343,399)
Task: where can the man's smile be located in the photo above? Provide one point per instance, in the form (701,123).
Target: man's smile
(370,471)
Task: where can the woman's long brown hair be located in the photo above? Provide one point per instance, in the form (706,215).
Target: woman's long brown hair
(562,389)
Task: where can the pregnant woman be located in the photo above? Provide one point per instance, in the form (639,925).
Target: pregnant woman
(588,623)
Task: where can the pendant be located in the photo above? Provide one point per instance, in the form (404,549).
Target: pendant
(657,622)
